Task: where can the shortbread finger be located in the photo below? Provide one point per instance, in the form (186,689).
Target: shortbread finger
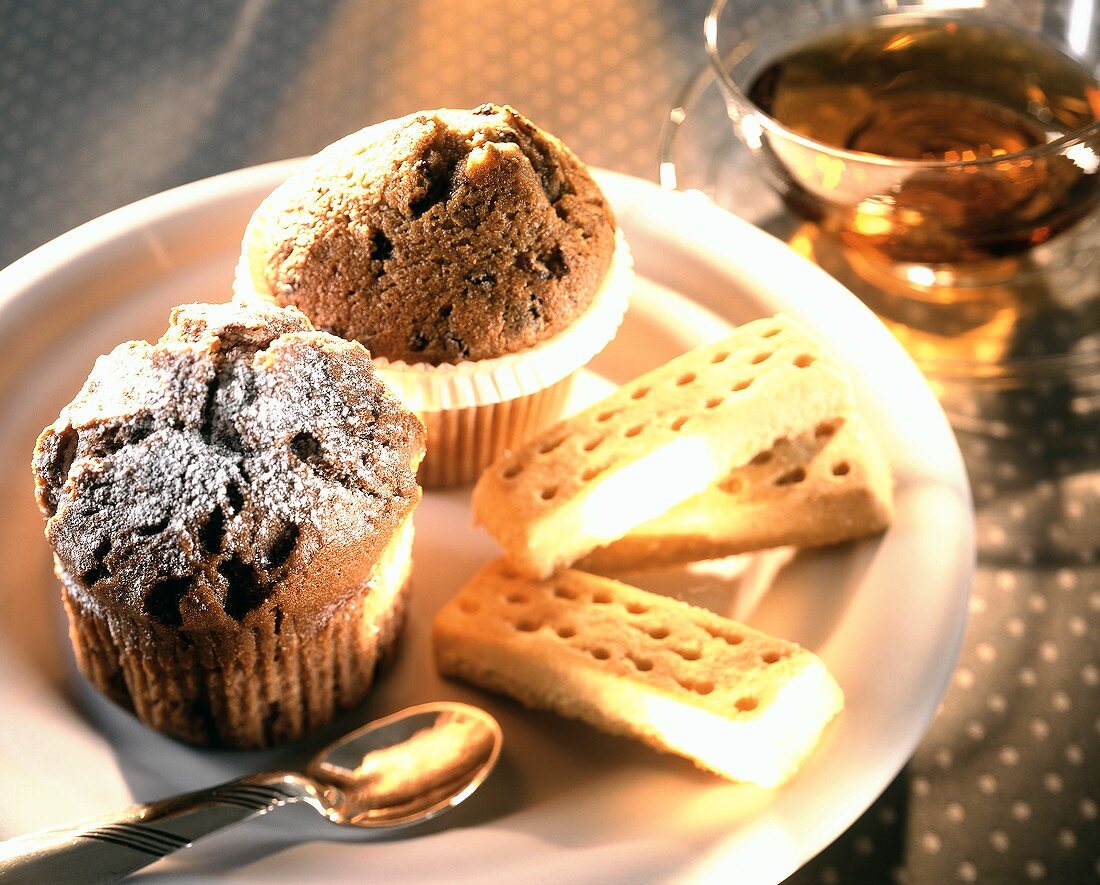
(732,699)
(656,442)
(830,485)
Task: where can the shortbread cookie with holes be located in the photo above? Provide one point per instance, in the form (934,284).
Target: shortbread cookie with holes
(732,699)
(830,485)
(656,442)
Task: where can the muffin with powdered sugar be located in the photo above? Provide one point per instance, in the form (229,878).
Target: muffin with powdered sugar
(230,511)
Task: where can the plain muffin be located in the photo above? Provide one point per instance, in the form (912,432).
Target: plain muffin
(474,255)
(443,236)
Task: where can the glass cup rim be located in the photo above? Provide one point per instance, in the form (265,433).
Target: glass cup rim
(710,34)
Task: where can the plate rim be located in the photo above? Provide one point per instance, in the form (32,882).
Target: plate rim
(19,279)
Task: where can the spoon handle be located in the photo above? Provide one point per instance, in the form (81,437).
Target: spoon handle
(111,848)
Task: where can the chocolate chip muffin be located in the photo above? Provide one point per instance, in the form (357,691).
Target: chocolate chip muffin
(230,511)
(443,236)
(470,251)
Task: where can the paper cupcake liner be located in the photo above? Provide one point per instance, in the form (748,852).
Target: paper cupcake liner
(250,688)
(458,401)
(469,440)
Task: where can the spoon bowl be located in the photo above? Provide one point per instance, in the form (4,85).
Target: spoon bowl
(394,772)
(408,767)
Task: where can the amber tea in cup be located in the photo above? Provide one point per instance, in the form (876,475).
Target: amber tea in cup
(918,134)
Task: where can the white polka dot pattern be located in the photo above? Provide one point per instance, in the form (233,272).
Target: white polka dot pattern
(1005,787)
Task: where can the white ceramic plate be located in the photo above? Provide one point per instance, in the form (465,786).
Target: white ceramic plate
(567,803)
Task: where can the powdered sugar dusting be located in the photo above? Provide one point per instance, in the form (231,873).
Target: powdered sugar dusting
(190,476)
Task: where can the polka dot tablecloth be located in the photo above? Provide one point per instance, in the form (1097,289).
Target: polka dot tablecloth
(106,101)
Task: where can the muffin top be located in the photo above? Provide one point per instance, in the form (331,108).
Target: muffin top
(443,236)
(199,478)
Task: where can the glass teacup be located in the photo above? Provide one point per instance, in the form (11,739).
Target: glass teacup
(950,217)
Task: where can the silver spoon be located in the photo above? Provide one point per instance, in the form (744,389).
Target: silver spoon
(396,771)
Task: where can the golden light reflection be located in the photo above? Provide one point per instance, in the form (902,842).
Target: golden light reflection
(920,275)
(872,217)
(763,745)
(1093,95)
(898,42)
(831,170)
(430,758)
(803,241)
(644,489)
